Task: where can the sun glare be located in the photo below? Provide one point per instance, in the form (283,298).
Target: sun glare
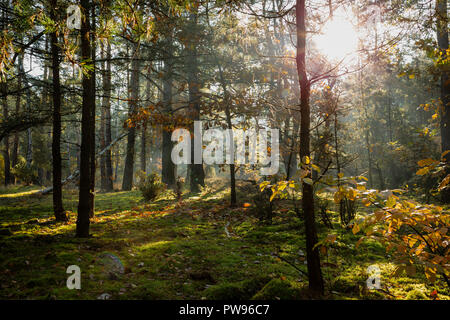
(338,39)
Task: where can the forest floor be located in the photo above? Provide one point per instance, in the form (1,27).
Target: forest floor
(181,250)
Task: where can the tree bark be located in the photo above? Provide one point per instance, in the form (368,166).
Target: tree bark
(88,101)
(15,150)
(58,208)
(127,182)
(168,167)
(6,158)
(108,136)
(103,177)
(144,133)
(4,91)
(196,172)
(312,254)
(442,37)
(92,122)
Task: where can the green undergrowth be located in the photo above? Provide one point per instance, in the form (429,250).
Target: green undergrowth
(180,250)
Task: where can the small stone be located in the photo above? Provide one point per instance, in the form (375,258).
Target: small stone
(104,296)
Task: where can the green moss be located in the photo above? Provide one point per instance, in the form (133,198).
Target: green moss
(345,284)
(163,244)
(242,290)
(416,295)
(281,289)
(225,291)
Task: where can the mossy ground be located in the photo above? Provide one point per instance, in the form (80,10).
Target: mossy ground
(173,250)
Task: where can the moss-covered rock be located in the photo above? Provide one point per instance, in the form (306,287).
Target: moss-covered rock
(281,289)
(345,285)
(416,295)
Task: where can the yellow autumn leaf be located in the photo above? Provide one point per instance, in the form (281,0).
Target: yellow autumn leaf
(425,162)
(423,171)
(355,229)
(444,182)
(391,202)
(351,194)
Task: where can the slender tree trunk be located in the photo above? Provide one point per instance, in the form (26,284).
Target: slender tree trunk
(4,92)
(144,148)
(92,130)
(45,100)
(103,177)
(227,102)
(58,208)
(14,155)
(108,136)
(168,167)
(6,158)
(369,157)
(196,172)
(233,197)
(29,140)
(88,103)
(312,254)
(144,132)
(442,37)
(127,182)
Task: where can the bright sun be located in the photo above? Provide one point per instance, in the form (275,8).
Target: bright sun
(338,38)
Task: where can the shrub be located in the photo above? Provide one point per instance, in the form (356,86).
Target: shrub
(150,185)
(24,173)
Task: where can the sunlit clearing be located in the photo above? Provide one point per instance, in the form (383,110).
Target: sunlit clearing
(338,38)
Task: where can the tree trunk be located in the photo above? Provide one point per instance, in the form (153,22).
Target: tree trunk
(442,37)
(15,150)
(103,177)
(58,209)
(4,92)
(312,254)
(29,140)
(196,173)
(6,158)
(108,136)
(88,103)
(168,167)
(144,132)
(144,148)
(127,182)
(92,130)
